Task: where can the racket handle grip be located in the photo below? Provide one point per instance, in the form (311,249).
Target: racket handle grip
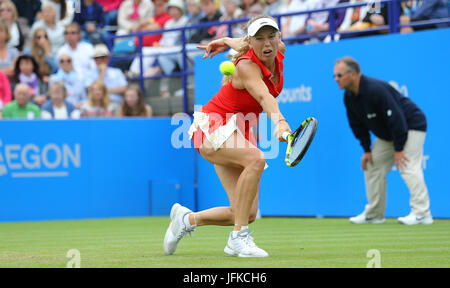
(285,135)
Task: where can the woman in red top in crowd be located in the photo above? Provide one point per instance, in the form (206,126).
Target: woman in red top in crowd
(221,133)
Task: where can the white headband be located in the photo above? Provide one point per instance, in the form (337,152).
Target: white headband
(258,24)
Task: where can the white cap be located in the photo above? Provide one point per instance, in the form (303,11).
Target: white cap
(176,3)
(100,50)
(258,24)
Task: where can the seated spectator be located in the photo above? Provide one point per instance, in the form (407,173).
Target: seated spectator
(171,39)
(42,52)
(64,10)
(5,90)
(55,32)
(21,107)
(194,14)
(292,26)
(273,7)
(113,78)
(252,8)
(28,10)
(73,81)
(320,24)
(58,107)
(8,54)
(132,14)
(232,11)
(98,104)
(353,20)
(377,15)
(206,34)
(158,22)
(9,16)
(110,10)
(134,104)
(92,21)
(81,52)
(26,70)
(423,10)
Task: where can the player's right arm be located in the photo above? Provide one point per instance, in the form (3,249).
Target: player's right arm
(220,45)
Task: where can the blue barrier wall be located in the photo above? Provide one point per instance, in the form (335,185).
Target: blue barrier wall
(329,180)
(115,168)
(91,168)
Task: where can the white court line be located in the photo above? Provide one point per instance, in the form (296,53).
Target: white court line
(39,174)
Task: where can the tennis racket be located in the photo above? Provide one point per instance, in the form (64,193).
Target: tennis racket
(299,141)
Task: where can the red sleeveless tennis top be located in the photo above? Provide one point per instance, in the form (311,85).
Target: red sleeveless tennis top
(231,100)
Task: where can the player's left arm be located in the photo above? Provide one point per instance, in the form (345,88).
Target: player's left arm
(250,78)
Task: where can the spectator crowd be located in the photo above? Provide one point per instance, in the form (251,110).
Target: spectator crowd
(55,61)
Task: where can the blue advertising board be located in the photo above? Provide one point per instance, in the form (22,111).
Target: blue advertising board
(72,169)
(329,180)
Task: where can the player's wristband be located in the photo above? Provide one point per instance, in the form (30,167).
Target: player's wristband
(280,121)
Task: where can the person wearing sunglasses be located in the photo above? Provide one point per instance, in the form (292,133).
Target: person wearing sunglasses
(399,127)
(73,81)
(54,30)
(82,53)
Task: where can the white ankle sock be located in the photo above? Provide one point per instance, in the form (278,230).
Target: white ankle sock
(186,222)
(235,233)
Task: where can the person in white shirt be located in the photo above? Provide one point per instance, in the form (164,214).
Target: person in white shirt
(82,53)
(113,78)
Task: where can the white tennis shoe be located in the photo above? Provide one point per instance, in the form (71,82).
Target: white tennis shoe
(243,245)
(362,219)
(177,229)
(413,219)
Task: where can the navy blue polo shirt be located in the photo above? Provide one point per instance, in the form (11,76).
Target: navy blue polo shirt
(380,108)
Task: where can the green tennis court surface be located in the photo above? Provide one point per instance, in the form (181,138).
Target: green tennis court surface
(290,242)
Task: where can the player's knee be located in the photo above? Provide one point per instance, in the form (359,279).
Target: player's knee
(256,160)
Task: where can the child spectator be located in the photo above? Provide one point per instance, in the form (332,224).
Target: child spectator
(26,70)
(58,107)
(21,107)
(98,104)
(134,104)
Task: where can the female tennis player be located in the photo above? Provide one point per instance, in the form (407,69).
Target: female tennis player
(222,135)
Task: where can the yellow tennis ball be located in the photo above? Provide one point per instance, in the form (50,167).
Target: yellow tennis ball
(227,68)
